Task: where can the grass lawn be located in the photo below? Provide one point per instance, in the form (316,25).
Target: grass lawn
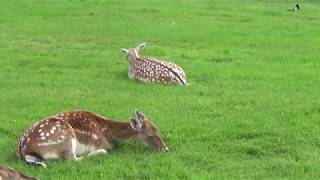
(252,110)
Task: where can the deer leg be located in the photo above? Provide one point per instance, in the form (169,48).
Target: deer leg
(102,149)
(70,153)
(34,160)
(98,151)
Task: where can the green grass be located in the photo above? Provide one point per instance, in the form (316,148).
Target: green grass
(252,109)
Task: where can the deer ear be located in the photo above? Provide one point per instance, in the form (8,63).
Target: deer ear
(135,124)
(125,51)
(140,116)
(141,46)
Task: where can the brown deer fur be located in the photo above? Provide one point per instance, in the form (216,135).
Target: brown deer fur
(11,174)
(70,135)
(153,70)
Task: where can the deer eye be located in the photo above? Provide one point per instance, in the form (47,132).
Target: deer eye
(150,136)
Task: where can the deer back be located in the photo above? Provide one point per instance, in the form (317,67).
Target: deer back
(153,70)
(43,137)
(88,127)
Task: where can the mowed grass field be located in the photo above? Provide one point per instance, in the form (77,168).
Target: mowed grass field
(251,111)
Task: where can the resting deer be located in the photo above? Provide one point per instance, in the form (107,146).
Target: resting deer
(11,174)
(71,135)
(153,70)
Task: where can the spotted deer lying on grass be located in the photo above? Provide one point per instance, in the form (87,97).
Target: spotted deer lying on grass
(153,70)
(11,174)
(71,135)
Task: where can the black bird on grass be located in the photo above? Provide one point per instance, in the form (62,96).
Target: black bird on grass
(295,8)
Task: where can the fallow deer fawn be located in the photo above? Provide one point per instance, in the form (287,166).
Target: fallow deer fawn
(70,135)
(11,174)
(153,70)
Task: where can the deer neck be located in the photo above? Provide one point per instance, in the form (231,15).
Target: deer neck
(120,130)
(133,55)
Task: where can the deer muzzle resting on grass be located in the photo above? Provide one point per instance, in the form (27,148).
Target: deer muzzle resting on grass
(11,174)
(153,70)
(71,135)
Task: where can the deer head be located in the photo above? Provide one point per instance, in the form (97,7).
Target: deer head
(148,132)
(133,53)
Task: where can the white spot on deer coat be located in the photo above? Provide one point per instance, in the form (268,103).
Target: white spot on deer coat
(94,136)
(50,156)
(82,132)
(50,143)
